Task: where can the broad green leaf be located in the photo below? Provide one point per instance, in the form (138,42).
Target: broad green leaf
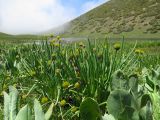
(150,82)
(39,114)
(108,117)
(133,84)
(89,110)
(13,94)
(129,113)
(149,111)
(145,98)
(156,105)
(117,101)
(119,81)
(6,106)
(146,112)
(49,112)
(24,113)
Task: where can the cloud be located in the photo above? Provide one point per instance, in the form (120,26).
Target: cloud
(92,4)
(30,16)
(33,16)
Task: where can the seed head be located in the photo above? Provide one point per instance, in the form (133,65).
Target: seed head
(24,96)
(44,100)
(51,35)
(5,87)
(58,71)
(63,103)
(65,84)
(81,44)
(139,51)
(74,109)
(58,37)
(94,49)
(117,46)
(32,73)
(77,85)
(49,62)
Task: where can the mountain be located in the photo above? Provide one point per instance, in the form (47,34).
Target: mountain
(133,18)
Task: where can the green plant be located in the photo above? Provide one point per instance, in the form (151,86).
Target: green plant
(124,102)
(89,110)
(65,74)
(11,110)
(127,99)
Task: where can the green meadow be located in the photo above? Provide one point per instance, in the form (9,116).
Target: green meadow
(104,65)
(94,79)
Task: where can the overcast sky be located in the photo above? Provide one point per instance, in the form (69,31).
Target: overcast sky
(32,16)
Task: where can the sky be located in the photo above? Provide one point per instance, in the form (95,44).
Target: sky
(34,16)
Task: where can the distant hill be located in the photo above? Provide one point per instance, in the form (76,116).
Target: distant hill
(15,38)
(133,18)
(4,34)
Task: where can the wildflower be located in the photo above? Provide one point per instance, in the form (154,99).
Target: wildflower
(32,73)
(77,85)
(44,100)
(63,103)
(94,49)
(15,85)
(4,87)
(24,96)
(52,42)
(139,51)
(65,84)
(100,56)
(49,62)
(77,53)
(77,50)
(8,78)
(53,56)
(58,37)
(51,35)
(81,44)
(56,45)
(58,71)
(117,46)
(74,109)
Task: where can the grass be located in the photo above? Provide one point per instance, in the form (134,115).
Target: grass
(136,34)
(74,71)
(6,38)
(130,18)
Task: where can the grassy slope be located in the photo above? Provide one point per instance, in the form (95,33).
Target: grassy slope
(17,38)
(131,18)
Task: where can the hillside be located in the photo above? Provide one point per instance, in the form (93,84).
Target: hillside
(140,18)
(4,34)
(17,38)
